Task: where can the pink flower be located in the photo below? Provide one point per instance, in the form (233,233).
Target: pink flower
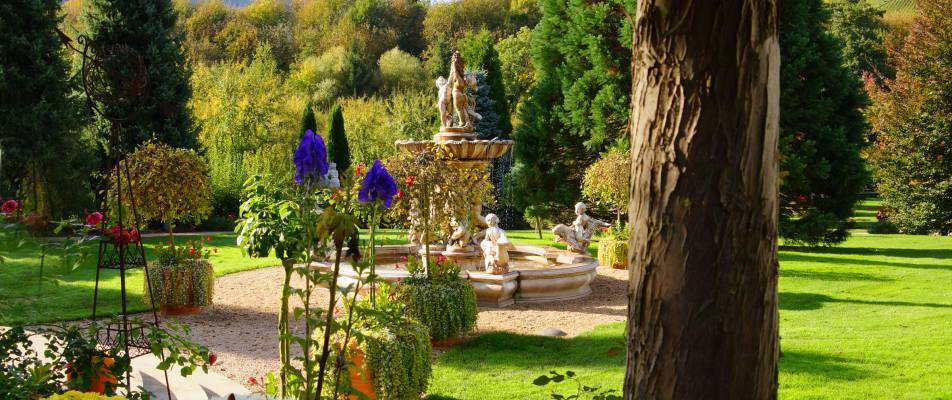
(94,218)
(9,206)
(252,381)
(403,258)
(440,259)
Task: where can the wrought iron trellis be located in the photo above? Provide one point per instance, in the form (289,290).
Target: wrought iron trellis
(114,78)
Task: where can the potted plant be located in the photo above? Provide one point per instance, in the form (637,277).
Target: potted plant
(613,247)
(182,278)
(170,185)
(441,300)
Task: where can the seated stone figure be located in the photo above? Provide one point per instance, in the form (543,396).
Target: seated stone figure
(495,246)
(579,235)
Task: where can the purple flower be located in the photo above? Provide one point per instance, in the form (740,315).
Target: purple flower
(310,157)
(377,185)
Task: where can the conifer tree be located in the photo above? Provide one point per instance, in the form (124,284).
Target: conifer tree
(337,148)
(479,53)
(308,121)
(42,153)
(149,28)
(821,128)
(488,126)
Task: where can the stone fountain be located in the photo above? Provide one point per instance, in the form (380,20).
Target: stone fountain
(501,273)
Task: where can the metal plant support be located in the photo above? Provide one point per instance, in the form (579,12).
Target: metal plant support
(115,78)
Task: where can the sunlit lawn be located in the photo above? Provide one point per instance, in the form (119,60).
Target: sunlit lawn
(870,319)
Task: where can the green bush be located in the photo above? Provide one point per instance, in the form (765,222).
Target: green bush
(398,356)
(442,301)
(884,227)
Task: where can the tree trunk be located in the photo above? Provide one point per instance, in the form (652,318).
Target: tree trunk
(702,317)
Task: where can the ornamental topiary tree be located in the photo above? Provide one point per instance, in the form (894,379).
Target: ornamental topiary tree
(168,184)
(821,128)
(337,147)
(606,182)
(912,118)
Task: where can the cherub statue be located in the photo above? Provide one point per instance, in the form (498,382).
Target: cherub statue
(495,246)
(452,97)
(579,235)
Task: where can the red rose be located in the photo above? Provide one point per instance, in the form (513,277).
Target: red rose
(94,219)
(9,206)
(440,259)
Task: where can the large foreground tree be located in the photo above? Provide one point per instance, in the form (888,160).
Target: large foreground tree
(702,320)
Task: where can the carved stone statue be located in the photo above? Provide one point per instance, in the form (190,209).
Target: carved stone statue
(495,246)
(453,99)
(579,235)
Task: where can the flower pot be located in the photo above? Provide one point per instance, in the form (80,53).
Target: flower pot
(180,289)
(101,378)
(613,253)
(448,342)
(361,379)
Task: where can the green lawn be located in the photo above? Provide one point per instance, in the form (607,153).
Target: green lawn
(871,319)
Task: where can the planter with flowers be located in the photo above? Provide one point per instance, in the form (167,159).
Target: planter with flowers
(182,278)
(171,185)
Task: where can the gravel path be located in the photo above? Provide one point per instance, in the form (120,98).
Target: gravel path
(242,325)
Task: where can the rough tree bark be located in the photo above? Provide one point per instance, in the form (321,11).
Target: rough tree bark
(702,317)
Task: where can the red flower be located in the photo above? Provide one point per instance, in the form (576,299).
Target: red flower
(94,219)
(440,259)
(212,358)
(338,311)
(392,296)
(403,258)
(408,180)
(399,194)
(803,198)
(252,381)
(358,169)
(208,238)
(334,195)
(191,252)
(9,206)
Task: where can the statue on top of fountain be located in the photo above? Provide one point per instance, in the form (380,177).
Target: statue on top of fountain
(495,246)
(453,99)
(579,235)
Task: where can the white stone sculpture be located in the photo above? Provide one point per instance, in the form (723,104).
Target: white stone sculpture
(495,246)
(579,235)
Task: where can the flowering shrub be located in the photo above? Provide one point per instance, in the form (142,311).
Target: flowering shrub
(9,206)
(122,236)
(182,254)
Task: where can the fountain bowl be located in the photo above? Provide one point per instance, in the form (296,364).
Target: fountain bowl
(537,274)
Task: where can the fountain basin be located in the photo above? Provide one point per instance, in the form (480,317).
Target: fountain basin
(537,274)
(463,150)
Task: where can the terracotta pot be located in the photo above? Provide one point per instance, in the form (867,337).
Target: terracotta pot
(102,377)
(448,342)
(361,379)
(169,309)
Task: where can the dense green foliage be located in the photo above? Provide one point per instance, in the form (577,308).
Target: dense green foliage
(399,358)
(579,105)
(515,58)
(338,151)
(42,152)
(821,128)
(374,123)
(149,28)
(861,29)
(442,301)
(912,118)
(606,182)
(478,50)
(308,121)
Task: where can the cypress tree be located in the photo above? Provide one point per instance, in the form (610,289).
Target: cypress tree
(488,126)
(40,138)
(821,128)
(308,121)
(337,148)
(479,53)
(149,28)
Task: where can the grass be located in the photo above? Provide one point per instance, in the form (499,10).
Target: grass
(870,319)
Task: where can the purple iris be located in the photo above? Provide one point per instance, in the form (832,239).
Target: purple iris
(310,157)
(377,185)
